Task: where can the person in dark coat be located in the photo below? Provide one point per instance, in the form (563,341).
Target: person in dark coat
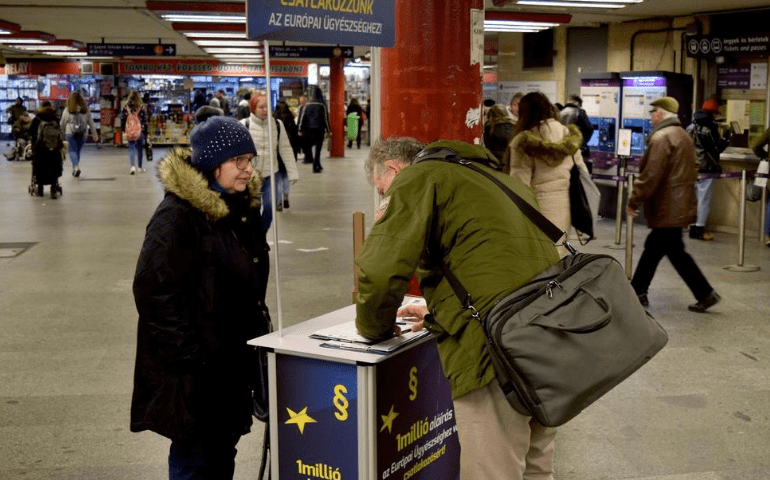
(355,107)
(574,114)
(47,164)
(199,289)
(704,132)
(313,127)
(498,130)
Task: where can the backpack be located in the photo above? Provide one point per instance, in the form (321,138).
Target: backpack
(133,126)
(49,135)
(78,125)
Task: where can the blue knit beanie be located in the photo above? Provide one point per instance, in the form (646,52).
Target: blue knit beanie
(217,140)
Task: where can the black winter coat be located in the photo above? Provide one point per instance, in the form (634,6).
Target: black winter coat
(200,290)
(46,164)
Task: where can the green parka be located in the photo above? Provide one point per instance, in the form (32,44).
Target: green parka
(439,212)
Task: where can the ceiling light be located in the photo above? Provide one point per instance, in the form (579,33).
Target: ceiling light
(516,26)
(21,41)
(47,47)
(192,35)
(69,54)
(226,43)
(233,50)
(173,17)
(549,3)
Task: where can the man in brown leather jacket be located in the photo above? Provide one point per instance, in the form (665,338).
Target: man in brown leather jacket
(665,186)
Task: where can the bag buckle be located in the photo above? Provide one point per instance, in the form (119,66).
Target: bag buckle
(549,287)
(468,305)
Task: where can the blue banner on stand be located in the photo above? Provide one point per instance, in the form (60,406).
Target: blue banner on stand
(353,22)
(317,419)
(416,430)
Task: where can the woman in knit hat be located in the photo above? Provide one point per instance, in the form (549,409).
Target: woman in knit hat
(200,292)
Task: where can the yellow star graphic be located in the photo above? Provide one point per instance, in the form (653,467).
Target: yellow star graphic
(387,420)
(300,419)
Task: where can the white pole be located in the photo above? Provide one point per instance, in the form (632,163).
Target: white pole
(374,108)
(271,150)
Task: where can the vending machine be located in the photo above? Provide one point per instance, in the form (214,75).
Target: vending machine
(639,89)
(601,101)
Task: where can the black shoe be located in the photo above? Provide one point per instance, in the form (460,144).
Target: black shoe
(350,144)
(705,303)
(693,232)
(286,203)
(643,300)
(316,170)
(53,192)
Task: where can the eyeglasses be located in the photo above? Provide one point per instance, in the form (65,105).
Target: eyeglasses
(242,161)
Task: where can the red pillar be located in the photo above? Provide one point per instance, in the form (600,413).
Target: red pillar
(429,89)
(337,105)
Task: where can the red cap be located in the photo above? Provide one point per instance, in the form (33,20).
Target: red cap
(710,105)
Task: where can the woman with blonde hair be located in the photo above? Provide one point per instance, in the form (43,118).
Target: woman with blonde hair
(133,124)
(75,122)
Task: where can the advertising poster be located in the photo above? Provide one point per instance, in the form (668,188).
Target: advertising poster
(353,22)
(416,429)
(317,419)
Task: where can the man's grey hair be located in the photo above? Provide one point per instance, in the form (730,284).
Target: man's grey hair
(401,149)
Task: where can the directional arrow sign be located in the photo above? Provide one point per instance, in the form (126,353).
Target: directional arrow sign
(301,51)
(131,49)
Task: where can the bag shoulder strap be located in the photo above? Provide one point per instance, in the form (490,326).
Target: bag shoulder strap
(546,226)
(553,232)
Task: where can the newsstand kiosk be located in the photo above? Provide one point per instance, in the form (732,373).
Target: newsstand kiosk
(342,411)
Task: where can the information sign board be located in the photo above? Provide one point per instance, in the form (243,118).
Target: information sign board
(355,22)
(131,49)
(301,51)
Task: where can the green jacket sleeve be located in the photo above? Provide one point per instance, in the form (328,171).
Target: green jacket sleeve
(392,253)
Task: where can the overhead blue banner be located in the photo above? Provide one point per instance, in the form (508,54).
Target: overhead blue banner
(353,22)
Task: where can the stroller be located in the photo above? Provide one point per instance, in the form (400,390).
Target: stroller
(46,170)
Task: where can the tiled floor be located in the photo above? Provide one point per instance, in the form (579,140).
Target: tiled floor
(697,411)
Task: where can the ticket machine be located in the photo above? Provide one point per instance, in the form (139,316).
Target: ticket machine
(601,101)
(639,89)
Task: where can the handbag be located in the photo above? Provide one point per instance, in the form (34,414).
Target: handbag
(560,342)
(584,200)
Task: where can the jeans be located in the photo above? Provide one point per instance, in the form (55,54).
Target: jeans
(668,242)
(704,190)
(204,458)
(267,203)
(282,185)
(136,148)
(76,143)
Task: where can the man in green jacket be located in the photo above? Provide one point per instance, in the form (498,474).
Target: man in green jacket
(435,213)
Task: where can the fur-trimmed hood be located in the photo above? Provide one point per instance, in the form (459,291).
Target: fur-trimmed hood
(179,177)
(541,143)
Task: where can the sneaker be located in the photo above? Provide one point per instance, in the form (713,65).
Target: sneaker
(643,300)
(133,171)
(140,170)
(76,172)
(279,207)
(705,303)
